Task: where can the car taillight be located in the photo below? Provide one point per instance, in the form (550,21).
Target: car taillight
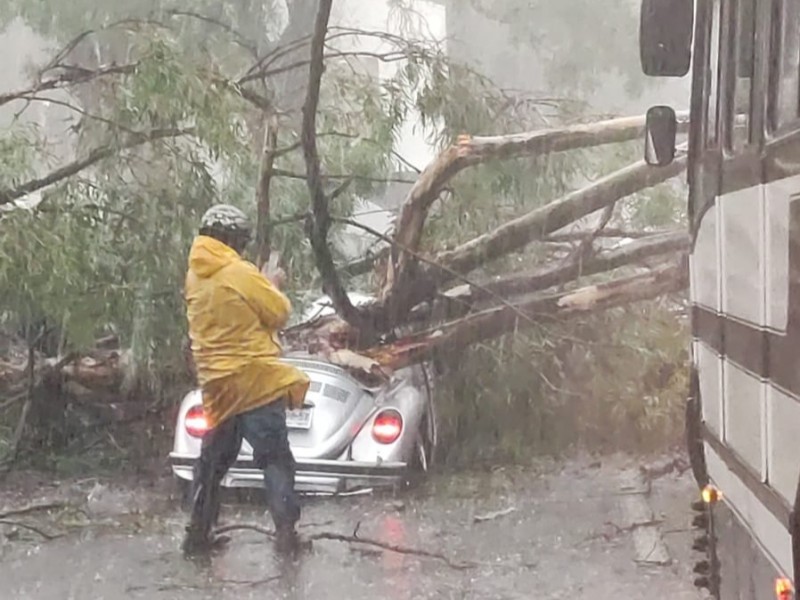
(387,427)
(195,422)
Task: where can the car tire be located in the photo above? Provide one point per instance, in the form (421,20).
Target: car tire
(424,452)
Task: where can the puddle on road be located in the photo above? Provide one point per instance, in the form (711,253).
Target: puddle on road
(542,548)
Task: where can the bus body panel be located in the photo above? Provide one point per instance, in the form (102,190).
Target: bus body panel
(770,535)
(744,209)
(745,571)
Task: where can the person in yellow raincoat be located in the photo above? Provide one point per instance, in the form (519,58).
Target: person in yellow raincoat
(234,313)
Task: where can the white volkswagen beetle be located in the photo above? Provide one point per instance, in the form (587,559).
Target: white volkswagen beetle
(347,436)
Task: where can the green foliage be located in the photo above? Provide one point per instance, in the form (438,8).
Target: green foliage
(106,251)
(64,20)
(18,148)
(616,381)
(662,207)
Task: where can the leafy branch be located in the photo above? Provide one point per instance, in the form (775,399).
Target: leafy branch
(8,196)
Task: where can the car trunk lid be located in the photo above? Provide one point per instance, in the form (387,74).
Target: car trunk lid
(336,408)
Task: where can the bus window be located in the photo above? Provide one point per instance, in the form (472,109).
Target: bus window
(743,67)
(784,93)
(712,83)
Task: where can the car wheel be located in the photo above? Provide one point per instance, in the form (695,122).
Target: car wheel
(424,452)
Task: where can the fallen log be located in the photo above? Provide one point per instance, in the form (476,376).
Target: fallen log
(463,297)
(538,309)
(537,224)
(518,233)
(104,370)
(470,151)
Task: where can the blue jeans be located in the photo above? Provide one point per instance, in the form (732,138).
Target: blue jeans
(265,429)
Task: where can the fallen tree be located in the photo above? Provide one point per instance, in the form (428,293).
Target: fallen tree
(465,296)
(401,296)
(472,151)
(538,309)
(426,279)
(427,301)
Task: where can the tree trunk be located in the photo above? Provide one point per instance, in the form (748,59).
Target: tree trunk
(471,151)
(537,310)
(463,298)
(536,225)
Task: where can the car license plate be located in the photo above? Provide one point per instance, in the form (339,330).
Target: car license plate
(299,419)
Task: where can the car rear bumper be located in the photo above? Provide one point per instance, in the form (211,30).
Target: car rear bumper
(312,476)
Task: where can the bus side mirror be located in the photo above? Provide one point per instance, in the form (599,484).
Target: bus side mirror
(661,130)
(665,37)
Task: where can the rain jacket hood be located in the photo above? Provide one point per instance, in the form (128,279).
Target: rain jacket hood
(234,314)
(209,256)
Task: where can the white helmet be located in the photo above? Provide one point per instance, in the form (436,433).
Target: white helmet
(226,219)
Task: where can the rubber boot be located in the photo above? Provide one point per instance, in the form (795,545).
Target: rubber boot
(289,542)
(205,509)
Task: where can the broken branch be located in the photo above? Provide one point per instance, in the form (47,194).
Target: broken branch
(355,539)
(31,508)
(44,534)
(540,222)
(263,228)
(540,308)
(10,195)
(535,225)
(608,232)
(471,151)
(628,254)
(433,264)
(349,539)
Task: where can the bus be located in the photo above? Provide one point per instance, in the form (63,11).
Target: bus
(743,412)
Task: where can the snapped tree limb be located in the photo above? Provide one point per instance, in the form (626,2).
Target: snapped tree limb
(471,151)
(512,236)
(607,232)
(629,254)
(535,225)
(540,308)
(354,539)
(427,261)
(263,228)
(31,508)
(463,298)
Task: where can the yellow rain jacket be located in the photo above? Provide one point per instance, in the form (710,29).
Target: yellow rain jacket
(234,315)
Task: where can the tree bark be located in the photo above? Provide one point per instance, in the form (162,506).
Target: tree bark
(539,309)
(471,151)
(463,298)
(263,225)
(535,225)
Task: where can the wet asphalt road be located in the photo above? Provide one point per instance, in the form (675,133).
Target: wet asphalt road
(556,532)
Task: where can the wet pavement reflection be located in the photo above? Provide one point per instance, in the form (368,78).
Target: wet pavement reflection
(515,533)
